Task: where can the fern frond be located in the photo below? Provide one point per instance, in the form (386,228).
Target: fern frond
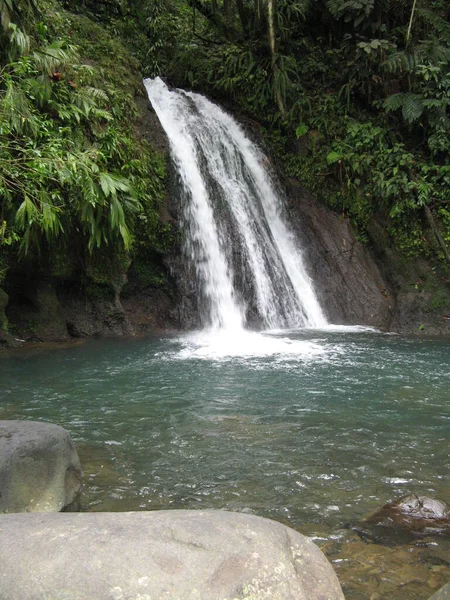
(440,25)
(394,102)
(54,56)
(19,41)
(412,105)
(17,111)
(400,62)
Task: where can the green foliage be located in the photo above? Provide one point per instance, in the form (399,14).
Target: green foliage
(364,86)
(351,11)
(163,29)
(380,176)
(14,14)
(74,177)
(361,86)
(440,301)
(50,180)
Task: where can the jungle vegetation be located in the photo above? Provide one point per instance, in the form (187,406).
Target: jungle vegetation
(75,176)
(353,95)
(363,85)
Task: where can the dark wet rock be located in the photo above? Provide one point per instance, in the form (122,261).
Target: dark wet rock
(51,323)
(442,594)
(94,316)
(60,310)
(346,277)
(406,518)
(6,339)
(413,512)
(160,555)
(421,288)
(39,467)
(148,125)
(35,311)
(3,304)
(9,341)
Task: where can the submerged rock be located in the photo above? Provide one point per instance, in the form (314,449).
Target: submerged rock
(375,571)
(39,467)
(160,555)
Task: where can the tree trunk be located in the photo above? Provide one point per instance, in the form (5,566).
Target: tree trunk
(228,13)
(273,51)
(243,16)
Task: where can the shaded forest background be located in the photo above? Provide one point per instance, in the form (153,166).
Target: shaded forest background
(351,95)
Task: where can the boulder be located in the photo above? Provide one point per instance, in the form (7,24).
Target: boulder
(159,555)
(406,519)
(442,594)
(39,467)
(417,513)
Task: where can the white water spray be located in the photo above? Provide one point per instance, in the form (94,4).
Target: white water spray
(245,256)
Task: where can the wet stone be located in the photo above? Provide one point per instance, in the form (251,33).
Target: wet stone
(376,572)
(39,467)
(413,512)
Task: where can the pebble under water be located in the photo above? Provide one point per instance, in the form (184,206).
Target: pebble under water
(316,429)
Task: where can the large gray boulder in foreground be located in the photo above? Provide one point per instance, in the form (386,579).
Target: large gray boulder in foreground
(39,467)
(442,594)
(161,555)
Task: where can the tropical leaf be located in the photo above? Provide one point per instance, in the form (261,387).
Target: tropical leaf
(333,157)
(412,105)
(54,56)
(111,184)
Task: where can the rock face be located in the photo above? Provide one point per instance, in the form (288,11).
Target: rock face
(161,555)
(6,339)
(347,280)
(421,287)
(39,467)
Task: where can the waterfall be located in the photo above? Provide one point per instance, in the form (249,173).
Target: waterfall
(247,261)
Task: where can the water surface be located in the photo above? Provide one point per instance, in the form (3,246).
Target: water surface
(315,429)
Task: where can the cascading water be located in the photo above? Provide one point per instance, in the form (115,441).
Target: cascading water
(246,258)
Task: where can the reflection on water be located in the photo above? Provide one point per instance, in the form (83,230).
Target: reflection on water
(315,429)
